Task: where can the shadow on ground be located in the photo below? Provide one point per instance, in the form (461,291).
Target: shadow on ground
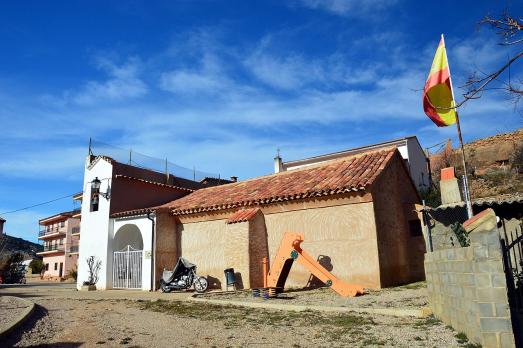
(38,314)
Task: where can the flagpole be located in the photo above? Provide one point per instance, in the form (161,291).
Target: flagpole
(465,179)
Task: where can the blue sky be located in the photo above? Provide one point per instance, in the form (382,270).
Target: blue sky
(220,85)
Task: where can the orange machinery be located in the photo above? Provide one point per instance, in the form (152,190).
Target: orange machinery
(290,251)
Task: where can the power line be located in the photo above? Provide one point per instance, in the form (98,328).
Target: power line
(39,204)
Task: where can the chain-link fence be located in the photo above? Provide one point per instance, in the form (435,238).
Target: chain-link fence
(140,160)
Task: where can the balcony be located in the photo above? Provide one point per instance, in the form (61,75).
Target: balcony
(51,249)
(75,230)
(51,232)
(74,249)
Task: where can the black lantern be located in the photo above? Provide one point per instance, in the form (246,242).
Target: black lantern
(95,185)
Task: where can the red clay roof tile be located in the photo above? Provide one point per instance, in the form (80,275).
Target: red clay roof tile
(354,173)
(242,215)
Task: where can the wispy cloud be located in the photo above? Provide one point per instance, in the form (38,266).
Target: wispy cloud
(123,82)
(348,7)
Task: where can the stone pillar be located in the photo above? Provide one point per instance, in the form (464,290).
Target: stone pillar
(449,187)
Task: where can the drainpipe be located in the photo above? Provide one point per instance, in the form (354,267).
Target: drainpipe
(153,253)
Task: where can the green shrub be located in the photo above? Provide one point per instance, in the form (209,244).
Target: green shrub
(36,266)
(431,196)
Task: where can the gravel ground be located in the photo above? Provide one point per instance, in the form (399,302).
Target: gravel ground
(73,323)
(10,309)
(65,317)
(409,297)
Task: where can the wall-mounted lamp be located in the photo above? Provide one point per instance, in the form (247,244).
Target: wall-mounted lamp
(95,188)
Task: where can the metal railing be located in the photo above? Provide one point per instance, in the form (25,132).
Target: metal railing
(75,230)
(74,248)
(54,248)
(50,231)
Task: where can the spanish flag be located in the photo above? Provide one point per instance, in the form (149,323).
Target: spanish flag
(438,99)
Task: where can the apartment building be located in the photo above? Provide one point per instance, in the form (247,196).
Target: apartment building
(60,235)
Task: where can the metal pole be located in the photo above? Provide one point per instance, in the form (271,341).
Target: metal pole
(465,181)
(166,172)
(127,273)
(427,227)
(465,176)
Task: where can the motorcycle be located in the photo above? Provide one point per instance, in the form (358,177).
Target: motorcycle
(183,276)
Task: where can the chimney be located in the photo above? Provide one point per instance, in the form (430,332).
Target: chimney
(278,163)
(449,187)
(234,178)
(2,221)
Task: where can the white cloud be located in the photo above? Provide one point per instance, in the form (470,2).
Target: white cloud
(123,83)
(293,71)
(45,162)
(348,7)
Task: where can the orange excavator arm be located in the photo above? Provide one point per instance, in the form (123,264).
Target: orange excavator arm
(290,251)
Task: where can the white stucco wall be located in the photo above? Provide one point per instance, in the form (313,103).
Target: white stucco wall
(145,227)
(418,164)
(409,149)
(95,226)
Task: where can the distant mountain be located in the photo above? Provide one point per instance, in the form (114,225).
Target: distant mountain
(10,244)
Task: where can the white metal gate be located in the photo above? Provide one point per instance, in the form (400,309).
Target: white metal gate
(127,268)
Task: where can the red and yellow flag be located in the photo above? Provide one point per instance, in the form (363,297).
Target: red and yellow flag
(438,99)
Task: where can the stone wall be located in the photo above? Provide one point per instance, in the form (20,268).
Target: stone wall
(467,287)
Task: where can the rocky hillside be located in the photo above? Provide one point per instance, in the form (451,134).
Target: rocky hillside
(10,244)
(495,164)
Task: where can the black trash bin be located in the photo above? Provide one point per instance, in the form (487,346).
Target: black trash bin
(230,278)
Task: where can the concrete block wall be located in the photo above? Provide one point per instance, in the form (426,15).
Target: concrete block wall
(467,289)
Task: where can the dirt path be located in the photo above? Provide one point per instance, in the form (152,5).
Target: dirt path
(117,323)
(68,318)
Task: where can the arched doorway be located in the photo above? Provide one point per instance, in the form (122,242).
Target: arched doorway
(127,258)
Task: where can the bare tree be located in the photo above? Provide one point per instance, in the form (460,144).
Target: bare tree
(93,267)
(510,30)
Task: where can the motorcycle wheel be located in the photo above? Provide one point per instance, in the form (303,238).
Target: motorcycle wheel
(164,287)
(200,284)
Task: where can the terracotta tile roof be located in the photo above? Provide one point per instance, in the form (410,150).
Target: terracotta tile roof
(355,173)
(121,176)
(60,216)
(242,215)
(134,212)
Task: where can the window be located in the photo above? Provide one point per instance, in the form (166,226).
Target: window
(47,267)
(56,266)
(95,198)
(415,228)
(62,224)
(61,241)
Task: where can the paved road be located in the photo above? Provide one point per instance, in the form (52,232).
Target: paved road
(56,290)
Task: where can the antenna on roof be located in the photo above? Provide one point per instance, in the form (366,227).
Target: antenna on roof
(278,152)
(90,150)
(166,172)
